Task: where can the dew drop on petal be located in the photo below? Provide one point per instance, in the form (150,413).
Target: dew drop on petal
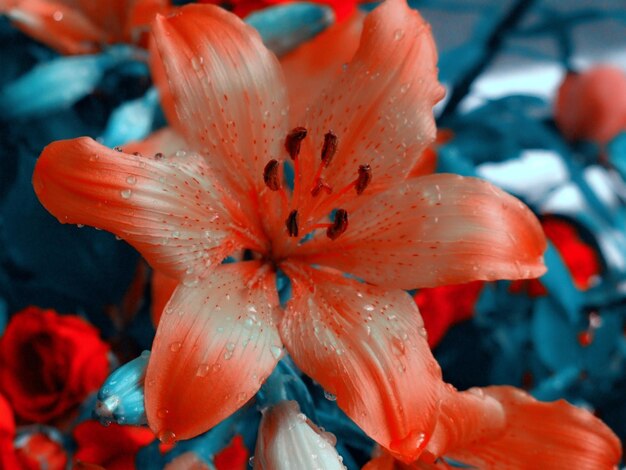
(203,370)
(398,34)
(131,180)
(126,193)
(175,347)
(422,332)
(162,413)
(329,396)
(276,351)
(167,437)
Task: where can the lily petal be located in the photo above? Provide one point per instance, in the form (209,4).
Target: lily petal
(162,289)
(436,230)
(170,209)
(311,68)
(367,346)
(227,88)
(380,106)
(552,436)
(214,347)
(59,26)
(288,440)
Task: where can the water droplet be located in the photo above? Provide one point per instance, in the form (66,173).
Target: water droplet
(191,282)
(80,225)
(228,355)
(57,15)
(241,396)
(230,346)
(422,332)
(276,351)
(368,307)
(329,396)
(181,153)
(126,193)
(404,88)
(175,347)
(162,413)
(248,323)
(251,461)
(167,437)
(196,63)
(203,370)
(398,34)
(397,345)
(216,367)
(301,417)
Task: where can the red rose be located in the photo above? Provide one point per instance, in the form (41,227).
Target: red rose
(113,447)
(38,451)
(49,363)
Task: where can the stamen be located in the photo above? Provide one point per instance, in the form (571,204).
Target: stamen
(293,141)
(270,175)
(340,224)
(292,223)
(364,178)
(319,185)
(329,148)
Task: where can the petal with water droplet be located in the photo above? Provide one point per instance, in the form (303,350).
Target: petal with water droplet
(218,362)
(373,361)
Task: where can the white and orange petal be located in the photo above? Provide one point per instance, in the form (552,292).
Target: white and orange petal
(288,440)
(550,436)
(367,346)
(171,209)
(58,25)
(215,345)
(227,90)
(435,230)
(379,107)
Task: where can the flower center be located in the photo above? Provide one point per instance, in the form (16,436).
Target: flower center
(323,199)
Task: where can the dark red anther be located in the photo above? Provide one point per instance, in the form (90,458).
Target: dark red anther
(292,223)
(319,185)
(340,224)
(329,148)
(293,141)
(270,175)
(365,176)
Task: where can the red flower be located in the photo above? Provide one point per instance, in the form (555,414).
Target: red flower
(38,451)
(342,8)
(113,447)
(233,457)
(592,105)
(441,307)
(223,331)
(50,363)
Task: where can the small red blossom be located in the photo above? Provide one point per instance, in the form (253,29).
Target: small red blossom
(592,105)
(233,457)
(113,447)
(442,307)
(37,451)
(582,260)
(242,8)
(50,363)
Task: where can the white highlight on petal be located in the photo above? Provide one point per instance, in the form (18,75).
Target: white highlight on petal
(288,439)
